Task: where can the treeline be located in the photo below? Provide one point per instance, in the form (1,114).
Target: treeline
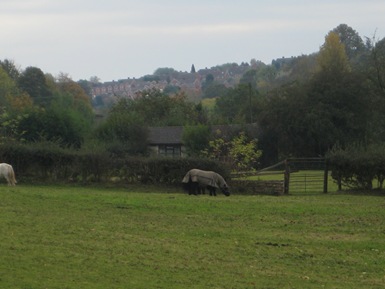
(300,106)
(306,105)
(38,107)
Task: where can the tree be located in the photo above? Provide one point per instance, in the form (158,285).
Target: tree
(332,59)
(303,68)
(81,101)
(33,81)
(196,139)
(209,81)
(56,124)
(378,56)
(128,119)
(337,103)
(244,153)
(375,89)
(192,69)
(353,43)
(165,72)
(124,134)
(250,78)
(10,68)
(239,106)
(211,88)
(86,86)
(240,151)
(283,125)
(94,79)
(171,89)
(7,87)
(159,109)
(215,90)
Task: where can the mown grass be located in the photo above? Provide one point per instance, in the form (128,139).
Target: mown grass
(145,237)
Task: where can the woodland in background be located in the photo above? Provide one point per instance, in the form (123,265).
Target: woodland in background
(302,106)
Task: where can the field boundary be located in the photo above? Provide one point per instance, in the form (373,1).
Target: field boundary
(290,175)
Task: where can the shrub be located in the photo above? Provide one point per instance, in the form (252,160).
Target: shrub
(358,167)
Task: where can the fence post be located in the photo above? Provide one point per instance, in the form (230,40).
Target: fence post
(287,178)
(326,176)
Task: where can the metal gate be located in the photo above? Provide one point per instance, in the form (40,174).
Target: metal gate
(306,175)
(297,175)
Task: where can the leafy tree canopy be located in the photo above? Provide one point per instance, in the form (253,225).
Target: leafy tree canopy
(353,43)
(332,58)
(10,68)
(159,109)
(32,80)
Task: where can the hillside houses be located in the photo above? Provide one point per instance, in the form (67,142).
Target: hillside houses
(228,75)
(127,87)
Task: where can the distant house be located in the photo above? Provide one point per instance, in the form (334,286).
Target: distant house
(166,141)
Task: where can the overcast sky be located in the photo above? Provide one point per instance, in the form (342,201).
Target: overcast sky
(117,39)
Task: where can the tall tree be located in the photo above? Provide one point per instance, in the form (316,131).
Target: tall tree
(10,68)
(308,118)
(240,105)
(32,80)
(337,99)
(375,69)
(354,45)
(332,59)
(7,87)
(283,123)
(81,99)
(209,81)
(378,56)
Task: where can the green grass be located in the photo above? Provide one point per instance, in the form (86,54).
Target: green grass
(142,237)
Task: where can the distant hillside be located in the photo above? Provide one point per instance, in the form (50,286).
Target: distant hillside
(227,75)
(170,79)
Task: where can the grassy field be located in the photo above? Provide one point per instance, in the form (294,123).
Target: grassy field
(143,237)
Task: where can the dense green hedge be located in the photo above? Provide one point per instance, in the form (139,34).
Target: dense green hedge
(45,162)
(354,167)
(357,167)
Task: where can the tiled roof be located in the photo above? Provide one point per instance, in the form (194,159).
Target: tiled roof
(173,134)
(165,135)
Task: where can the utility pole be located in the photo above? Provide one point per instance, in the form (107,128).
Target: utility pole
(251,110)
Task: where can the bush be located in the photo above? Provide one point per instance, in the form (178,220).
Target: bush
(357,167)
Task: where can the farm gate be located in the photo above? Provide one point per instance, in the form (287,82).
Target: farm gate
(306,175)
(296,175)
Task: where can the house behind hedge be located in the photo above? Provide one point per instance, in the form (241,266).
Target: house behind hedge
(167,141)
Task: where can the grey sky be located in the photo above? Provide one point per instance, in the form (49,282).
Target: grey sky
(117,39)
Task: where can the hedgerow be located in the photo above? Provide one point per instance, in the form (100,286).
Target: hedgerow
(358,167)
(47,162)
